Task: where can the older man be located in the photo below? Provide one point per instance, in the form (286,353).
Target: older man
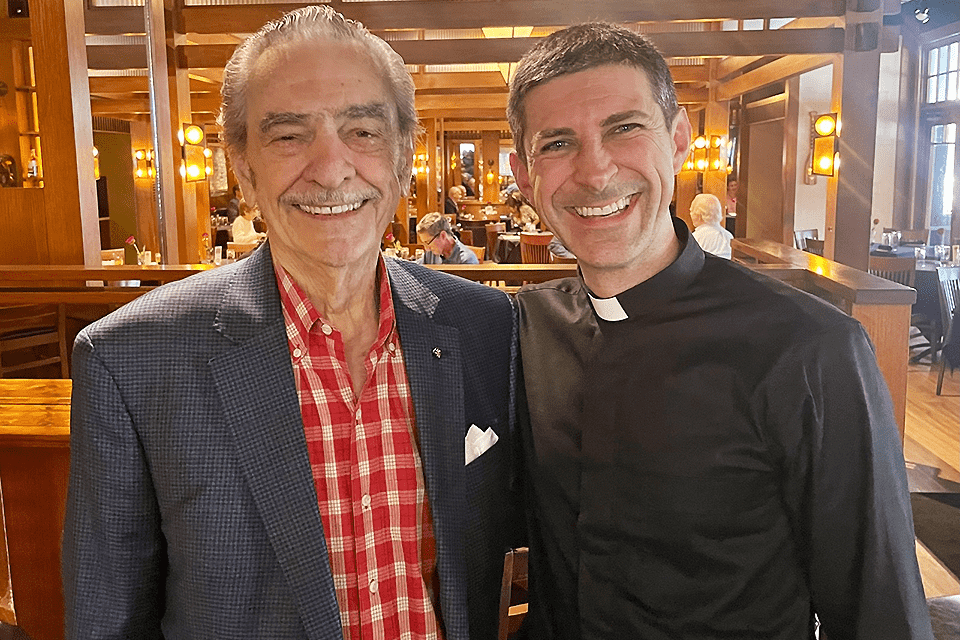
(706,213)
(314,442)
(712,453)
(442,247)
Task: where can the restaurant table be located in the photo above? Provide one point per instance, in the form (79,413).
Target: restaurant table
(506,250)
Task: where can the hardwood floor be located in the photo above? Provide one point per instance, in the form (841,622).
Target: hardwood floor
(932,451)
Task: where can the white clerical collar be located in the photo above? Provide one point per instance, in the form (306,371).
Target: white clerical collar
(608,309)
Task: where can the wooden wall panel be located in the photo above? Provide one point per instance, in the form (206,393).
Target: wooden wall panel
(23,213)
(66,131)
(889,329)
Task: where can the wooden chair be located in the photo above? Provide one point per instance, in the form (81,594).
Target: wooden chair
(112,256)
(241,248)
(513,592)
(25,330)
(466,237)
(558,260)
(480,251)
(493,229)
(800,236)
(533,247)
(900,270)
(949,278)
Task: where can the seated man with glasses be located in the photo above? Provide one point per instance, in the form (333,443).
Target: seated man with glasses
(440,245)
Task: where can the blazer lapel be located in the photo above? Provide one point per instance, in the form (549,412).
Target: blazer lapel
(256,385)
(435,372)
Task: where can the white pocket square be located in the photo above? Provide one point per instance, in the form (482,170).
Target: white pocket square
(477,442)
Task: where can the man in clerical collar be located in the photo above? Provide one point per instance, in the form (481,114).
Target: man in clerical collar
(711,453)
(275,448)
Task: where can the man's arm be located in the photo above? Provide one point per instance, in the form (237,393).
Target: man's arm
(113,549)
(845,483)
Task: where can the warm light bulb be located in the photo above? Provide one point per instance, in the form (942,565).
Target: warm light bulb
(193,134)
(139,173)
(139,154)
(825,125)
(700,142)
(193,171)
(825,163)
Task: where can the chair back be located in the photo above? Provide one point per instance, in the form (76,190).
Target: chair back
(899,270)
(25,332)
(513,592)
(241,248)
(480,252)
(533,247)
(949,278)
(466,236)
(800,235)
(493,228)
(111,256)
(560,260)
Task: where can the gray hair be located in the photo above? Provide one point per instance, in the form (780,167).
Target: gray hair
(707,207)
(432,224)
(316,23)
(583,47)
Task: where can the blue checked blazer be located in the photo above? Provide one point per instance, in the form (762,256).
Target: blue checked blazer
(191,508)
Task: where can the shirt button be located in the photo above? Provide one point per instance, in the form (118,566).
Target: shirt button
(373,585)
(297,353)
(391,348)
(365,501)
(327,329)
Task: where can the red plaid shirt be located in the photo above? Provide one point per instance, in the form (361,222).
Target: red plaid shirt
(367,472)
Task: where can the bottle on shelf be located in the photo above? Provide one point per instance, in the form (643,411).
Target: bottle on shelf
(33,167)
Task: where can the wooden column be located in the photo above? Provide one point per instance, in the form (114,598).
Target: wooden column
(66,129)
(430,148)
(855,96)
(688,182)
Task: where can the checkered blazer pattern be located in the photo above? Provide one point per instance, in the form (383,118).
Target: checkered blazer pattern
(191,510)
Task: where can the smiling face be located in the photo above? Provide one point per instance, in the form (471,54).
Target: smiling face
(320,156)
(600,169)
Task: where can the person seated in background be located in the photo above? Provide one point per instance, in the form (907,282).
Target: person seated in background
(439,244)
(465,183)
(707,217)
(454,195)
(243,231)
(522,214)
(732,187)
(556,248)
(233,207)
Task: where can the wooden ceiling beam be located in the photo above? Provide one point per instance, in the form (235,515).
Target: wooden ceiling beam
(477,125)
(456,80)
(494,50)
(440,14)
(776,71)
(690,74)
(203,103)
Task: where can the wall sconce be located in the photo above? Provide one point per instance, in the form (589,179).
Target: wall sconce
(96,163)
(420,164)
(143,163)
(489,177)
(826,157)
(193,166)
(707,154)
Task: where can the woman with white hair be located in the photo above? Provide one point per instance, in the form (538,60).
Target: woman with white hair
(707,216)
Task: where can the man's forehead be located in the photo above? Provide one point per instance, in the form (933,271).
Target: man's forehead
(606,78)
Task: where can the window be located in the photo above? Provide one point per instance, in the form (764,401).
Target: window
(943,148)
(941,72)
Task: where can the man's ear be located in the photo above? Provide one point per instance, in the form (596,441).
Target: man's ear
(520,174)
(244,175)
(682,135)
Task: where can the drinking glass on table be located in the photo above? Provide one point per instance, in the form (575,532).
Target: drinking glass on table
(941,252)
(920,253)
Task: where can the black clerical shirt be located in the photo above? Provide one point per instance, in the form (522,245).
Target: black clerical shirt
(719,459)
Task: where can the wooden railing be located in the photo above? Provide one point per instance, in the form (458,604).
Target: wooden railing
(881,306)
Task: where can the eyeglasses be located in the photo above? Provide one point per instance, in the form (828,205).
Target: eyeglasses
(431,241)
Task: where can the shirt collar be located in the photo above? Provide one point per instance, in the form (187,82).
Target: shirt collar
(300,315)
(663,287)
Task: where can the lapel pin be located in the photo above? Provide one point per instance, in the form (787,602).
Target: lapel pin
(436,352)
